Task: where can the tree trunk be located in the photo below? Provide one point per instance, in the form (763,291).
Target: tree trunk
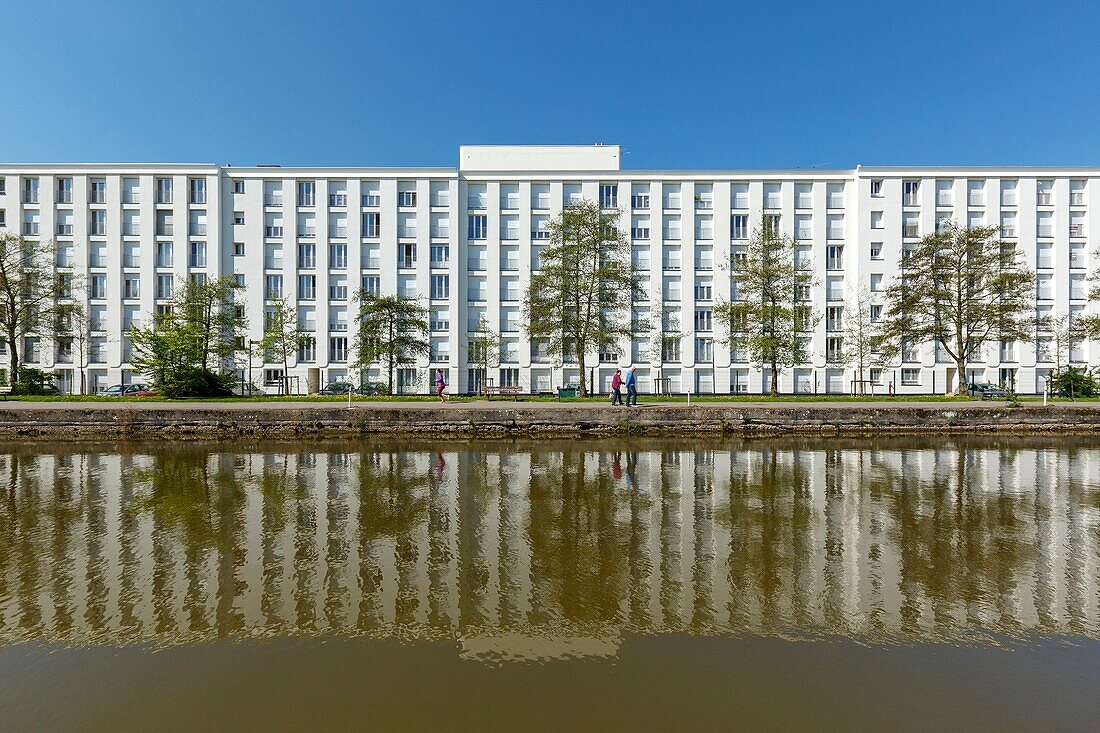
(583,382)
(389,368)
(775,380)
(960,367)
(14,360)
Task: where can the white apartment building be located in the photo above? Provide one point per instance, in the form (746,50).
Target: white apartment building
(464,241)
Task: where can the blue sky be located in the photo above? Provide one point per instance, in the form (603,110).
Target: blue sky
(678,85)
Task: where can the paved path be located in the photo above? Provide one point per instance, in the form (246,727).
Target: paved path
(517,405)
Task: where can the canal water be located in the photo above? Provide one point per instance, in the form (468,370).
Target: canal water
(615,584)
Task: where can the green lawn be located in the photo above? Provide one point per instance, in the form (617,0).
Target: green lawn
(538,398)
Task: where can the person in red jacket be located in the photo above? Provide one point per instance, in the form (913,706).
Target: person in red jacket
(616,385)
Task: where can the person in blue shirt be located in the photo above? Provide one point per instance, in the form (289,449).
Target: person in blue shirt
(631,382)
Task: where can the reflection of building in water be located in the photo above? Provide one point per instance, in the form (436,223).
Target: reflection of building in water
(500,547)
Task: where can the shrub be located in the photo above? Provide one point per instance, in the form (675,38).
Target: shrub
(31,381)
(1074,382)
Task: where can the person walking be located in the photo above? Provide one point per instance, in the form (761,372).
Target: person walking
(440,386)
(631,388)
(616,385)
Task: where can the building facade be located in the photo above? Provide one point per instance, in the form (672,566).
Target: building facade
(465,240)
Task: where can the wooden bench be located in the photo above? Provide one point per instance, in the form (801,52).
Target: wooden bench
(491,390)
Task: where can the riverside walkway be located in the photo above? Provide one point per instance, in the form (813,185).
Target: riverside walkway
(481,418)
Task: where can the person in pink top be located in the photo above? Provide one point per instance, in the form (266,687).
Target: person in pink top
(616,385)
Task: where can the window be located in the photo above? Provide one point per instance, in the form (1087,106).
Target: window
(704,350)
(943,193)
(164,287)
(1044,257)
(64,190)
(670,350)
(910,193)
(338,256)
(540,227)
(739,227)
(372,285)
(307,287)
(371,196)
(876,314)
(131,223)
(131,286)
(910,226)
(131,254)
(1076,193)
(307,256)
(540,196)
(834,195)
(739,195)
(406,198)
(834,257)
(509,228)
(197,191)
(440,255)
(803,196)
(704,289)
(704,258)
(876,188)
(273,287)
(704,319)
(876,220)
(164,190)
(307,349)
(639,201)
(307,193)
(65,223)
(371,224)
(835,226)
(30,191)
(910,377)
(441,194)
(975,193)
(876,250)
(64,255)
(1044,193)
(338,288)
(609,196)
(97,223)
(406,255)
(238,249)
(97,254)
(97,193)
(196,223)
(197,256)
(1045,224)
(1008,193)
(876,282)
(704,228)
(307,226)
(441,226)
(440,287)
(478,226)
(131,191)
(238,218)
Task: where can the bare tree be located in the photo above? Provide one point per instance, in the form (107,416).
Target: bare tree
(32,293)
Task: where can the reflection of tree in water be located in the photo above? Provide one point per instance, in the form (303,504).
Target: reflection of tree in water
(391,505)
(579,543)
(961,543)
(199,507)
(770,524)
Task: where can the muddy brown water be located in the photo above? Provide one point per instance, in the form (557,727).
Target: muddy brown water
(902,584)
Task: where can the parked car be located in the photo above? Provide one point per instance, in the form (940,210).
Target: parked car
(247,390)
(144,392)
(119,390)
(337,388)
(987,391)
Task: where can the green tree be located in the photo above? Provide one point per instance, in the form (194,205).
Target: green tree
(771,307)
(282,337)
(393,329)
(960,288)
(861,337)
(210,305)
(579,299)
(483,348)
(185,350)
(31,293)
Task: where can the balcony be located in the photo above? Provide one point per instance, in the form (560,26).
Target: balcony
(197,230)
(1043,199)
(836,201)
(30,228)
(639,201)
(273,200)
(371,200)
(910,199)
(542,203)
(476,203)
(338,232)
(307,232)
(64,230)
(540,234)
(269,231)
(339,200)
(639,233)
(406,232)
(1077,230)
(910,231)
(704,204)
(801,233)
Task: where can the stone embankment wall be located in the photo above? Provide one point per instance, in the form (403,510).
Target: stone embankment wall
(167,421)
